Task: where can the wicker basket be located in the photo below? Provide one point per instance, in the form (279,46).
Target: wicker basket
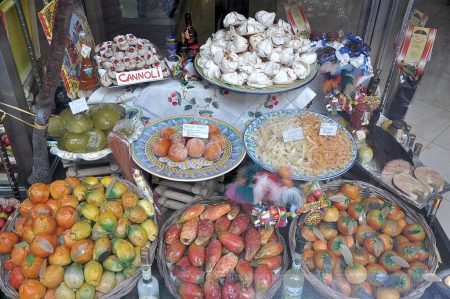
(411,217)
(163,267)
(6,288)
(7,202)
(119,291)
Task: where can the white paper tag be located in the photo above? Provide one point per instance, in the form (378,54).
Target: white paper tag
(304,97)
(85,51)
(328,129)
(198,131)
(293,134)
(140,76)
(78,106)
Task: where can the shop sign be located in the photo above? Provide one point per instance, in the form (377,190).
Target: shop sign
(140,76)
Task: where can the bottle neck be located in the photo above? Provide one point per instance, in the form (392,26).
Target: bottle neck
(188,19)
(377,75)
(146,274)
(296,265)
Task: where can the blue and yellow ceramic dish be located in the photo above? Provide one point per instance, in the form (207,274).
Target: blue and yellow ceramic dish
(191,169)
(251,143)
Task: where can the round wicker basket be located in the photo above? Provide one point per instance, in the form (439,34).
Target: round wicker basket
(10,202)
(411,217)
(164,269)
(119,291)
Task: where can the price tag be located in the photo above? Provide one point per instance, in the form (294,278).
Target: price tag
(78,106)
(85,51)
(304,98)
(293,134)
(328,129)
(198,131)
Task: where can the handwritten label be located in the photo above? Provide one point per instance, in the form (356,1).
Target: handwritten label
(78,106)
(198,131)
(328,129)
(134,77)
(85,51)
(293,134)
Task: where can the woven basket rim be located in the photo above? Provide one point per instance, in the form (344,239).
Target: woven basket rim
(430,241)
(163,268)
(124,288)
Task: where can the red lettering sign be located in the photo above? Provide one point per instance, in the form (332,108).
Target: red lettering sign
(134,77)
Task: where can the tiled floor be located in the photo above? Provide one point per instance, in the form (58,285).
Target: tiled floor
(429,114)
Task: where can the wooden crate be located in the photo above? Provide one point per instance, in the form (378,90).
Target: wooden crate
(100,167)
(175,195)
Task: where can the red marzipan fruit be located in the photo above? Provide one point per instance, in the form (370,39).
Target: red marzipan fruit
(273,262)
(245,272)
(234,210)
(172,233)
(191,213)
(196,254)
(263,278)
(189,231)
(190,291)
(252,243)
(232,242)
(189,274)
(175,251)
(214,212)
(222,225)
(204,232)
(231,289)
(269,250)
(213,254)
(184,261)
(248,293)
(239,224)
(212,289)
(225,265)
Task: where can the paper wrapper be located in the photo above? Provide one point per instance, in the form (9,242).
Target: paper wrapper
(416,51)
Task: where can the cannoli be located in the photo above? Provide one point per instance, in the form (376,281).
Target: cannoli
(121,42)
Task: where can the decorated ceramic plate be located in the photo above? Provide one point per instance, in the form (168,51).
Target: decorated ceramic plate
(313,158)
(276,88)
(191,169)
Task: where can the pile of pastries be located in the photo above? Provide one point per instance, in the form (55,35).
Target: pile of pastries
(126,53)
(256,52)
(174,146)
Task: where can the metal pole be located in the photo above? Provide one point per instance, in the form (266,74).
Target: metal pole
(9,170)
(28,42)
(398,45)
(388,25)
(11,92)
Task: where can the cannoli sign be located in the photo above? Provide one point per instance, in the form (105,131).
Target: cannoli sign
(134,77)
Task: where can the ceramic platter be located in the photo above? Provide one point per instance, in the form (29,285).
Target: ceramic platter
(251,143)
(191,169)
(273,89)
